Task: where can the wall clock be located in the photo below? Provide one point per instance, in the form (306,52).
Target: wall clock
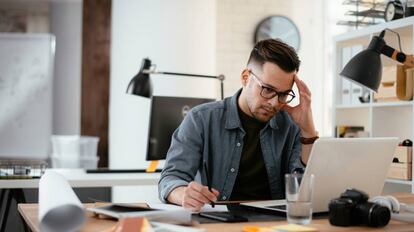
(394,10)
(280,27)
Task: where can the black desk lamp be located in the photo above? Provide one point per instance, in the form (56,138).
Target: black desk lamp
(141,85)
(365,68)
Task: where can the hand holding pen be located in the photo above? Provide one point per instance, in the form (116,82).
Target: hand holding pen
(194,195)
(208,177)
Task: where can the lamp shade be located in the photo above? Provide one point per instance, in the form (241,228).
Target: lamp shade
(140,84)
(365,69)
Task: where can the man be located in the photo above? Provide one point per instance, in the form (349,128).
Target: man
(249,140)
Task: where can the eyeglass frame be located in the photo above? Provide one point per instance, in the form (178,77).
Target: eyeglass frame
(276,93)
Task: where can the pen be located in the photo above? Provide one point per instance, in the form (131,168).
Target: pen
(208,177)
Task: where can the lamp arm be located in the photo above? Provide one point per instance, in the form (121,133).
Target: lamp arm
(186,74)
(396,55)
(220,77)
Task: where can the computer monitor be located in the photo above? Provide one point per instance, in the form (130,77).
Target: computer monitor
(166,115)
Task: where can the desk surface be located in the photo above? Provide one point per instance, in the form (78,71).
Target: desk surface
(30,214)
(79,178)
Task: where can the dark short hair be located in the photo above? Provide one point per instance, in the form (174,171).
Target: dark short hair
(277,52)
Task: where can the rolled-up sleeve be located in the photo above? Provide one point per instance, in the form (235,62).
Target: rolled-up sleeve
(183,157)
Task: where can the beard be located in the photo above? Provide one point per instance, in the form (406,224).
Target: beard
(259,110)
(263,113)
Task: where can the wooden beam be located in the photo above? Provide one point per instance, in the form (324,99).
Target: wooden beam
(96,38)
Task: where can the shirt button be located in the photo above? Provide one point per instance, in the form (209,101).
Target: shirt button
(232,170)
(224,198)
(238,144)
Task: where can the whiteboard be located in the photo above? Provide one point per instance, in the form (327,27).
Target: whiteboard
(26,88)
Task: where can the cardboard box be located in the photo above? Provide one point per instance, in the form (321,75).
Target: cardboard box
(404,154)
(405,85)
(401,166)
(401,171)
(387,90)
(389,73)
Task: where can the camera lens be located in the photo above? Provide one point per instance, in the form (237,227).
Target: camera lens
(372,214)
(380,216)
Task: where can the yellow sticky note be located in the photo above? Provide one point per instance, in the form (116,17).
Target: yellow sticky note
(153,166)
(256,229)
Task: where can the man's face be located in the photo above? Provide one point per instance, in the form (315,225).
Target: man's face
(269,76)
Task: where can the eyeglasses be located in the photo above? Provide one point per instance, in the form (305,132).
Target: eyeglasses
(269,93)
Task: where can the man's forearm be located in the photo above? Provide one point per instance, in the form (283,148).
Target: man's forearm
(176,195)
(306,150)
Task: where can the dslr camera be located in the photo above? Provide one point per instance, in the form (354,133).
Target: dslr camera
(353,208)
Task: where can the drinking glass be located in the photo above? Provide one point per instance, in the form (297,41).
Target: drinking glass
(299,190)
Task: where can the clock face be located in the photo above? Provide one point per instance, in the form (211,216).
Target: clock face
(389,12)
(394,10)
(279,27)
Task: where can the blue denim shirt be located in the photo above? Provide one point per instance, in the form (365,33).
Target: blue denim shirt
(213,132)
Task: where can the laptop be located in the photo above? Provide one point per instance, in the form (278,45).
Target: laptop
(339,164)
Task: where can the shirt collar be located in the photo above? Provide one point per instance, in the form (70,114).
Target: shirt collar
(233,119)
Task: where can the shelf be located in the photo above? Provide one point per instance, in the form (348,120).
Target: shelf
(403,26)
(365,105)
(380,119)
(395,181)
(372,13)
(376,105)
(364,3)
(392,104)
(353,23)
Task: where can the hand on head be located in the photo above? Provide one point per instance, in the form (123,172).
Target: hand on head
(302,113)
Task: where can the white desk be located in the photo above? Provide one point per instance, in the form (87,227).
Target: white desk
(12,188)
(79,178)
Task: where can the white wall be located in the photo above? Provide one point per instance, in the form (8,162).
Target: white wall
(335,12)
(66,25)
(178,36)
(236,24)
(309,16)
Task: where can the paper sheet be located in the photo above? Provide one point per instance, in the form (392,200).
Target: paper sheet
(205,208)
(162,227)
(217,208)
(59,207)
(179,216)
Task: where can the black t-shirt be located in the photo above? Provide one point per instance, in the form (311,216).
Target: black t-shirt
(252,180)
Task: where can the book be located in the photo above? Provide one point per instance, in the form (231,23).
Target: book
(344,131)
